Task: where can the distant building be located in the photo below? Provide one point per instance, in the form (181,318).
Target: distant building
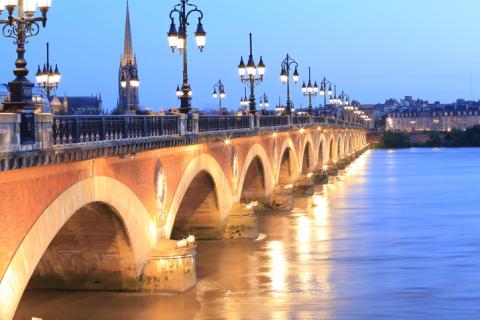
(77,105)
(369,111)
(128,98)
(435,117)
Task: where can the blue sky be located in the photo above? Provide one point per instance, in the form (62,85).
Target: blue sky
(373,49)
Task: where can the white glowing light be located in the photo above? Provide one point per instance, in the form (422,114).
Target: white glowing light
(191,239)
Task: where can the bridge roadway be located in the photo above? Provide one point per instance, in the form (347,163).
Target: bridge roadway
(86,213)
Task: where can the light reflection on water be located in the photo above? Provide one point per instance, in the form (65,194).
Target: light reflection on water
(397,236)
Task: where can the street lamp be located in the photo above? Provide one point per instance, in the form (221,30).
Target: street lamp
(220,95)
(264,102)
(21,27)
(178,40)
(244,101)
(310,91)
(251,78)
(324,93)
(344,100)
(129,79)
(335,101)
(285,78)
(47,78)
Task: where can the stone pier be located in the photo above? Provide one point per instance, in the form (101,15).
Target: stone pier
(170,269)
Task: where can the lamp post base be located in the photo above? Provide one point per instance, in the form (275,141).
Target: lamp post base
(185,104)
(21,93)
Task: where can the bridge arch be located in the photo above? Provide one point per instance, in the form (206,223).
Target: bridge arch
(204,170)
(351,143)
(287,167)
(257,180)
(340,146)
(321,157)
(332,150)
(307,156)
(140,229)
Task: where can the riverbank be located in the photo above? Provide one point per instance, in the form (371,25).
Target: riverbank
(433,139)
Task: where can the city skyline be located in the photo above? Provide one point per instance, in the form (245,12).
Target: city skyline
(409,50)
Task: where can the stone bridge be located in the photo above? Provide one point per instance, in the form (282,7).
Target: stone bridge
(91,221)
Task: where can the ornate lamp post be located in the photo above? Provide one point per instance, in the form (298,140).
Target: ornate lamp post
(244,101)
(19,28)
(324,93)
(220,95)
(344,100)
(287,64)
(47,78)
(335,101)
(129,79)
(349,112)
(251,78)
(264,102)
(310,91)
(178,40)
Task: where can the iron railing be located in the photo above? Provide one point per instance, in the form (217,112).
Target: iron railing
(222,123)
(81,129)
(84,129)
(273,121)
(301,120)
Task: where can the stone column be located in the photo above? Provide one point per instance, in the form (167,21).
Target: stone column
(195,121)
(43,131)
(9,132)
(252,122)
(182,124)
(290,120)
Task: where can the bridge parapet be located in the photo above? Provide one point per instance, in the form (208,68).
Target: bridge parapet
(76,138)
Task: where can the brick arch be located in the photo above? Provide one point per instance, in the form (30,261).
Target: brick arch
(198,213)
(332,149)
(201,163)
(256,156)
(321,151)
(351,144)
(308,156)
(92,251)
(307,142)
(140,228)
(288,146)
(340,146)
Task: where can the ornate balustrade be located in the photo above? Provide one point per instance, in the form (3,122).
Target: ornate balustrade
(81,129)
(84,129)
(222,123)
(273,121)
(62,139)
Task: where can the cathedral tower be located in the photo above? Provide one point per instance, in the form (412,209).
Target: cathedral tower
(128,82)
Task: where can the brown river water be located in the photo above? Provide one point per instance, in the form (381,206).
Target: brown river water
(396,236)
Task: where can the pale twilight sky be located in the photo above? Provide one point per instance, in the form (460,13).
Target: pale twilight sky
(373,49)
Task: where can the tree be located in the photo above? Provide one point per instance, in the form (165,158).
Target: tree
(395,140)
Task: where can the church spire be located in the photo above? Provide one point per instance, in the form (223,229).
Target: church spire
(128,81)
(128,55)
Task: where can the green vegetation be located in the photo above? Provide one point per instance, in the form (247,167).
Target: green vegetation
(454,138)
(467,138)
(395,140)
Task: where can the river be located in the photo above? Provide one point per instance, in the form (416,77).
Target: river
(396,236)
